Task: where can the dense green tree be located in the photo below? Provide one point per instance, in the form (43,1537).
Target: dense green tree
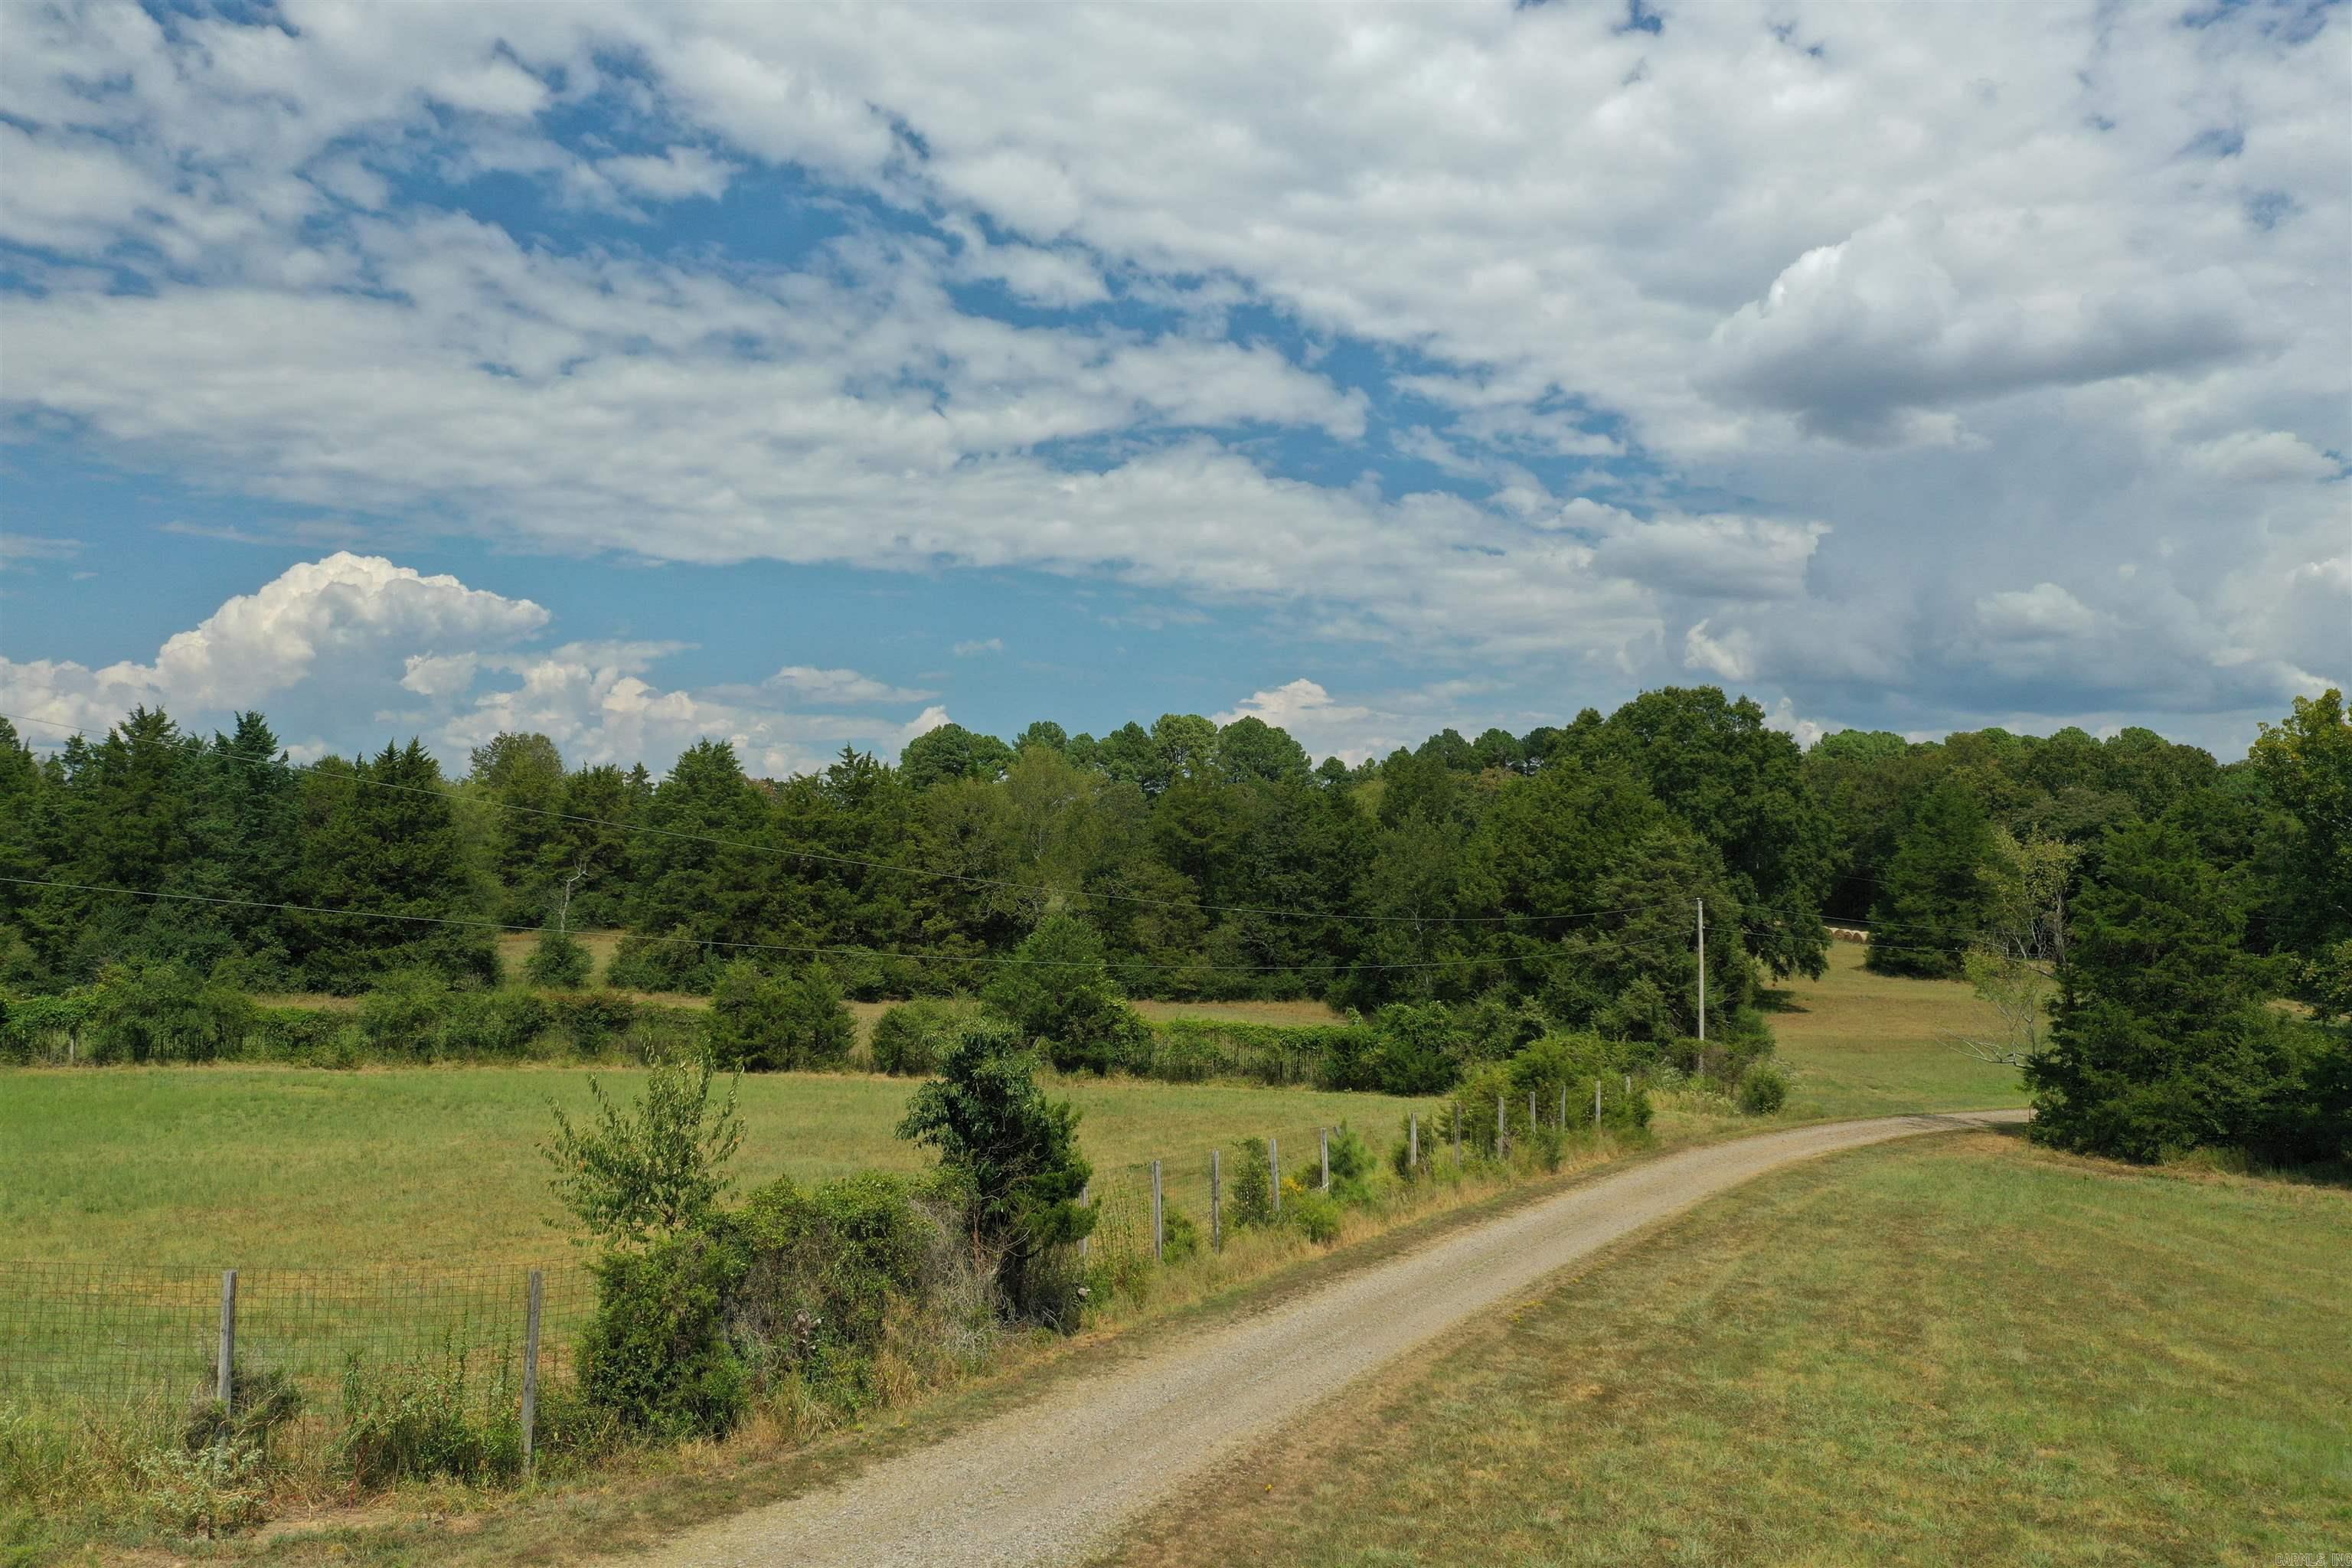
(1057,993)
(2305,763)
(1251,751)
(704,875)
(2160,1040)
(1014,1150)
(1042,733)
(952,752)
(1931,905)
(382,841)
(1740,785)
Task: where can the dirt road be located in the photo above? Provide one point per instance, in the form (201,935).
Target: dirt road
(1054,1480)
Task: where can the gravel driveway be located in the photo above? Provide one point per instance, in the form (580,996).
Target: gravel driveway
(1054,1480)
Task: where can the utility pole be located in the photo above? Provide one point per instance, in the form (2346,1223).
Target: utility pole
(1702,970)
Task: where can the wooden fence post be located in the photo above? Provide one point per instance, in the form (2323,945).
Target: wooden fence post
(1563,1105)
(1596,1108)
(1531,1113)
(531,1374)
(1413,1141)
(1085,1197)
(1457,1133)
(1159,1218)
(1325,1134)
(225,1384)
(1273,1172)
(1502,1132)
(1217,1199)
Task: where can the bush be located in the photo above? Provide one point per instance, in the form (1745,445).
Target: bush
(818,1030)
(1316,1215)
(402,1016)
(261,1403)
(1180,1238)
(656,1356)
(478,1024)
(146,1012)
(1421,1049)
(1250,1192)
(206,1491)
(912,1037)
(413,1420)
(821,1268)
(1763,1092)
(1014,1151)
(1351,1165)
(557,962)
(651,1169)
(646,963)
(761,1024)
(1056,990)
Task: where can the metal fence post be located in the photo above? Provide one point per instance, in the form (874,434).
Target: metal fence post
(531,1374)
(1273,1172)
(1325,1134)
(1217,1199)
(1159,1218)
(226,1385)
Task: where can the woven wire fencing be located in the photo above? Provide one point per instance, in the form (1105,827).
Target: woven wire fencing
(99,1337)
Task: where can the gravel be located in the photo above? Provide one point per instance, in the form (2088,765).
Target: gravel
(1051,1482)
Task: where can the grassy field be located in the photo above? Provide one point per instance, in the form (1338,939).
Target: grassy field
(1858,1044)
(283,1167)
(266,1166)
(1958,1351)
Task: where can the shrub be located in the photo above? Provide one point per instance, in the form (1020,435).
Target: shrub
(402,1016)
(487,1024)
(1250,1192)
(821,1268)
(1351,1165)
(651,1169)
(143,1012)
(656,1355)
(1421,1049)
(818,1031)
(1015,1151)
(1316,1215)
(557,962)
(658,961)
(759,1023)
(1055,989)
(408,1421)
(1763,1092)
(912,1037)
(206,1492)
(261,1403)
(1181,1238)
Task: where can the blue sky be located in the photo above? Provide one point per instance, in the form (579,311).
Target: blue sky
(810,377)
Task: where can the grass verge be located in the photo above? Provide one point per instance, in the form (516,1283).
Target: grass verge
(1958,1350)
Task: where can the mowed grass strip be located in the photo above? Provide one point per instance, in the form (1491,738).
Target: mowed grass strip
(1954,1352)
(1858,1044)
(261,1167)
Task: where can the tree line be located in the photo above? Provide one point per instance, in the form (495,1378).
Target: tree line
(1556,871)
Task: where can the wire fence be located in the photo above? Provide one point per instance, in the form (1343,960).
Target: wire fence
(100,1336)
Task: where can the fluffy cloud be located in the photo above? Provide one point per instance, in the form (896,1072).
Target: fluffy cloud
(331,638)
(1835,323)
(1326,727)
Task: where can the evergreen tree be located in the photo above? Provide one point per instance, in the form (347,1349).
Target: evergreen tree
(2160,1042)
(1931,904)
(702,875)
(384,841)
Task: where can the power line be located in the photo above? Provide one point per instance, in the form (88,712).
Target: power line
(818,950)
(821,857)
